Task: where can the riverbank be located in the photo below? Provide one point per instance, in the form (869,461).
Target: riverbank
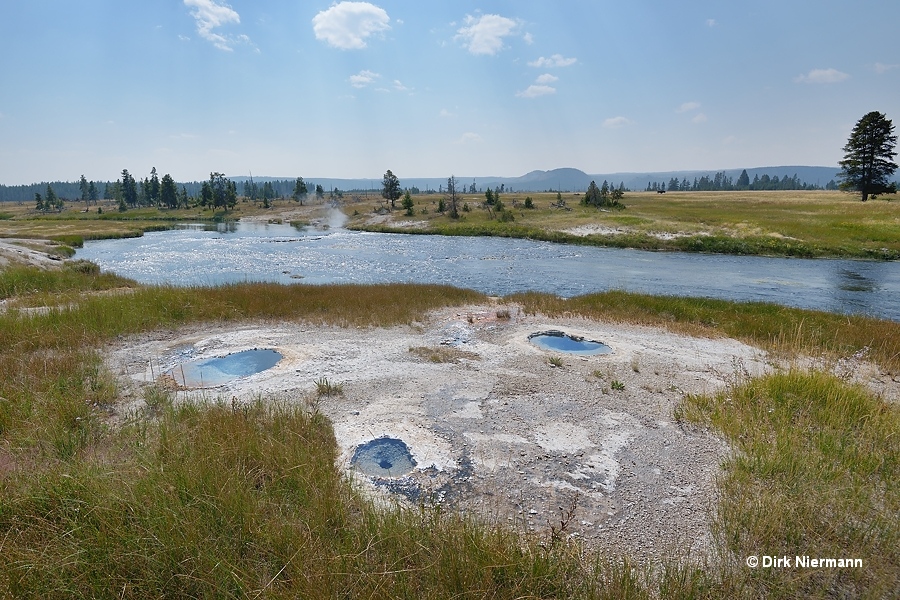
(790,224)
(807,224)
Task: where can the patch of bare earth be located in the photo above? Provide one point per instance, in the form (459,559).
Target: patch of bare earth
(26,252)
(496,429)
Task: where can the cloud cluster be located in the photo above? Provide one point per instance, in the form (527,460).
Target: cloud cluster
(209,15)
(541,85)
(616,122)
(347,25)
(535,90)
(690,107)
(557,60)
(363,78)
(484,34)
(822,76)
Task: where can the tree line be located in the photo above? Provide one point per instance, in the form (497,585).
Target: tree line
(160,192)
(720,182)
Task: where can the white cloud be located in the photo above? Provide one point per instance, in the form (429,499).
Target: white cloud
(546,78)
(557,60)
(446,113)
(529,39)
(616,122)
(534,91)
(484,34)
(822,76)
(346,25)
(882,68)
(711,23)
(399,86)
(209,14)
(363,78)
(699,118)
(687,107)
(469,138)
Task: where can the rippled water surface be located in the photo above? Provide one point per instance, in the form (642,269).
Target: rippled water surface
(496,266)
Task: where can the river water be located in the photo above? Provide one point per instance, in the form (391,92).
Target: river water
(196,255)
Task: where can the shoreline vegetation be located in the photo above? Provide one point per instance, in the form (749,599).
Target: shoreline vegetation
(237,498)
(798,224)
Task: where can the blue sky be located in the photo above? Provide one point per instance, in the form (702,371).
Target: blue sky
(429,89)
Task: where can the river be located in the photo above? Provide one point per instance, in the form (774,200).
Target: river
(198,255)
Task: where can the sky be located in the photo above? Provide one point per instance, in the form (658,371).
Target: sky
(428,89)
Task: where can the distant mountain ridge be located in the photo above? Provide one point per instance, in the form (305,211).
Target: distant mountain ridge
(569,179)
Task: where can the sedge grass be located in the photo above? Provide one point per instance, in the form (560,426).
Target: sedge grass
(815,473)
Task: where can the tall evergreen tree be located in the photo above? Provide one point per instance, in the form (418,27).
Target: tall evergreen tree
(85,190)
(153,193)
(129,189)
(300,190)
(390,188)
(868,160)
(51,200)
(168,192)
(452,197)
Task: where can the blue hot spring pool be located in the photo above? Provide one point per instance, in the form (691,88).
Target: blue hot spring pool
(383,457)
(560,341)
(210,372)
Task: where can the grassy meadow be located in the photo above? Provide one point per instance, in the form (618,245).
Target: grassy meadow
(785,223)
(236,500)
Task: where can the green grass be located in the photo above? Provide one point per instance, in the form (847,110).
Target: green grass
(801,224)
(244,500)
(816,471)
(23,281)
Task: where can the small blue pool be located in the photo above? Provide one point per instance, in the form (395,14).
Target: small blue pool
(560,341)
(383,457)
(210,372)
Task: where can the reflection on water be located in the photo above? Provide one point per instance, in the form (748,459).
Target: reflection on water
(855,282)
(495,266)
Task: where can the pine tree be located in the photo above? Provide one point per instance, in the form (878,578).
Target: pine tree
(300,190)
(407,203)
(868,165)
(390,188)
(168,192)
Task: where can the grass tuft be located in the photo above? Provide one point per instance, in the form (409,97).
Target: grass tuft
(816,473)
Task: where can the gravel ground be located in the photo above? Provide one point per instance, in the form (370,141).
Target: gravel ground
(498,430)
